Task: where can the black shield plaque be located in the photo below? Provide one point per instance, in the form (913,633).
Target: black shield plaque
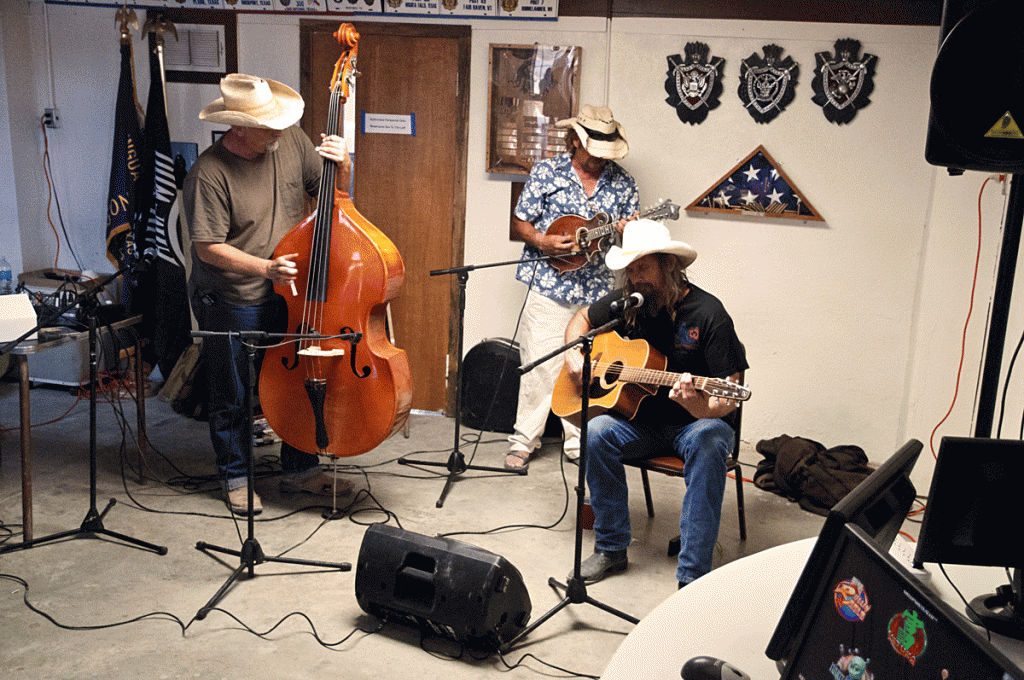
(694,84)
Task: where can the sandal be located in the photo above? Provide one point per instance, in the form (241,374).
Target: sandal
(522,456)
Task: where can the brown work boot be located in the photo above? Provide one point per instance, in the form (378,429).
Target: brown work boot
(238,501)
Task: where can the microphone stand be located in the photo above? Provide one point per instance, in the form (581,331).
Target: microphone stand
(92,525)
(456,463)
(575,589)
(251,553)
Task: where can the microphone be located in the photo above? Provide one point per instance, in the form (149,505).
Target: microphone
(634,300)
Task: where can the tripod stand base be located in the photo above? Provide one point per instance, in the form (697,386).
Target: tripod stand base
(249,556)
(575,593)
(92,525)
(456,465)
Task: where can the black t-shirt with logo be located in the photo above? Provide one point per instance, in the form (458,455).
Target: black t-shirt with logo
(701,341)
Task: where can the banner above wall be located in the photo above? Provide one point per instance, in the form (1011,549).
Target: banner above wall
(496,9)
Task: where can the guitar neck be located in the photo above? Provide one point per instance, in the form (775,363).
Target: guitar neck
(603,230)
(650,376)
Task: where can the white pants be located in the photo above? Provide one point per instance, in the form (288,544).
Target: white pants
(543,330)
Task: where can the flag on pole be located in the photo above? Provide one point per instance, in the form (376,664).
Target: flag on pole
(161,289)
(125,167)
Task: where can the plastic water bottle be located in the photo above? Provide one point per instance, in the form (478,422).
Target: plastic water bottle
(5,277)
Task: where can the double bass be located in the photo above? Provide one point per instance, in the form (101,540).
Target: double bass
(340,396)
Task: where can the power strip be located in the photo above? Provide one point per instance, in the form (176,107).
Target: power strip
(903,551)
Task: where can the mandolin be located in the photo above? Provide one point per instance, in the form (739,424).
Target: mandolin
(623,372)
(595,236)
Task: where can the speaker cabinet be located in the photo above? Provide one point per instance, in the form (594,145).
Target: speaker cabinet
(977,88)
(454,589)
(490,385)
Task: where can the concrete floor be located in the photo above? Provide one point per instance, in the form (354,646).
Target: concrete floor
(99,608)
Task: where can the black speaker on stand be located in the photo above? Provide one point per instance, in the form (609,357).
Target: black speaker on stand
(975,123)
(456,590)
(977,88)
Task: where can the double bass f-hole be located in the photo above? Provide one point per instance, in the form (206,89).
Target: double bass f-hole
(294,363)
(365,373)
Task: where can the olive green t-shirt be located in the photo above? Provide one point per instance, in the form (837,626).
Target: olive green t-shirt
(249,204)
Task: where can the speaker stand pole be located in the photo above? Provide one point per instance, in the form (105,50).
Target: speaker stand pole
(92,525)
(1001,297)
(575,589)
(251,553)
(456,463)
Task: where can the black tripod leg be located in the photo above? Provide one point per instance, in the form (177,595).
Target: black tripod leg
(158,549)
(36,541)
(201,614)
(536,624)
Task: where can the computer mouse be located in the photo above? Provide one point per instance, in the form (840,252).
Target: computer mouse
(710,668)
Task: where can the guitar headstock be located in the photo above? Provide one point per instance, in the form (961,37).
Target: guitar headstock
(726,389)
(666,210)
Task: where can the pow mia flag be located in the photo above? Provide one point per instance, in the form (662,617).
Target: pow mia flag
(694,84)
(767,85)
(842,83)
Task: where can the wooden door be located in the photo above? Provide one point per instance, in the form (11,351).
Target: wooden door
(410,186)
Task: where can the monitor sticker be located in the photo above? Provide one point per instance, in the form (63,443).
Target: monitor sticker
(851,666)
(907,635)
(851,600)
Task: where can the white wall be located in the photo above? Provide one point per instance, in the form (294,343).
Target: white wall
(852,325)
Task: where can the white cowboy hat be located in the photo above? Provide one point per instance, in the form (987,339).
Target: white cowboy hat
(249,101)
(643,237)
(602,136)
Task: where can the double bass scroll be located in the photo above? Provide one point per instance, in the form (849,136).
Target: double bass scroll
(326,395)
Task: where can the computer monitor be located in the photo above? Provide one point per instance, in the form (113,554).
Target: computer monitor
(879,505)
(973,517)
(873,619)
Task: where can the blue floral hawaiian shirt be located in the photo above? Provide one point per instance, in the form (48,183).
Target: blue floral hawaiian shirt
(553,190)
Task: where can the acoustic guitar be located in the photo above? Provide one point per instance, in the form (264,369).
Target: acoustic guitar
(595,236)
(623,372)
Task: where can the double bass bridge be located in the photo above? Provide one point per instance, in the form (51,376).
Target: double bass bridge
(318,352)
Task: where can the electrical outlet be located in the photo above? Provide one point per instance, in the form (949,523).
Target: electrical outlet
(51,118)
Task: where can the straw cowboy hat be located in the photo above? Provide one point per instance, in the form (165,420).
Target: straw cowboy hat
(602,136)
(254,102)
(643,237)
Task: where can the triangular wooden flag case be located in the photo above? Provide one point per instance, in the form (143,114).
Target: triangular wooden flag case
(756,186)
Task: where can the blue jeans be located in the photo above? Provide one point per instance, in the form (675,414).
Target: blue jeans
(227,365)
(703,445)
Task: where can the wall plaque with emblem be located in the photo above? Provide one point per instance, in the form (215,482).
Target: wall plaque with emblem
(768,83)
(694,83)
(843,82)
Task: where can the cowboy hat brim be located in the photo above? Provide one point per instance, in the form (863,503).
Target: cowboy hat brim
(617,258)
(286,110)
(612,151)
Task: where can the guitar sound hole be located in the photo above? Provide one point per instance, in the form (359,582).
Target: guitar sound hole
(613,373)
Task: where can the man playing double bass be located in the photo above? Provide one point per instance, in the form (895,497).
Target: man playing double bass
(241,197)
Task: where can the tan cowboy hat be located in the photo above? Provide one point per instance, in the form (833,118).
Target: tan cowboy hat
(254,102)
(602,136)
(643,237)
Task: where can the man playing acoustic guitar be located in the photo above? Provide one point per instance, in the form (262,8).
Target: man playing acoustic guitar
(690,328)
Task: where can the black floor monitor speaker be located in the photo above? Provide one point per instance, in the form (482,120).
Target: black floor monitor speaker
(490,385)
(977,88)
(454,589)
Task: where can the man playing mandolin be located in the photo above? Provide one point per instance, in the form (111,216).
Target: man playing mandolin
(241,196)
(691,328)
(583,182)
